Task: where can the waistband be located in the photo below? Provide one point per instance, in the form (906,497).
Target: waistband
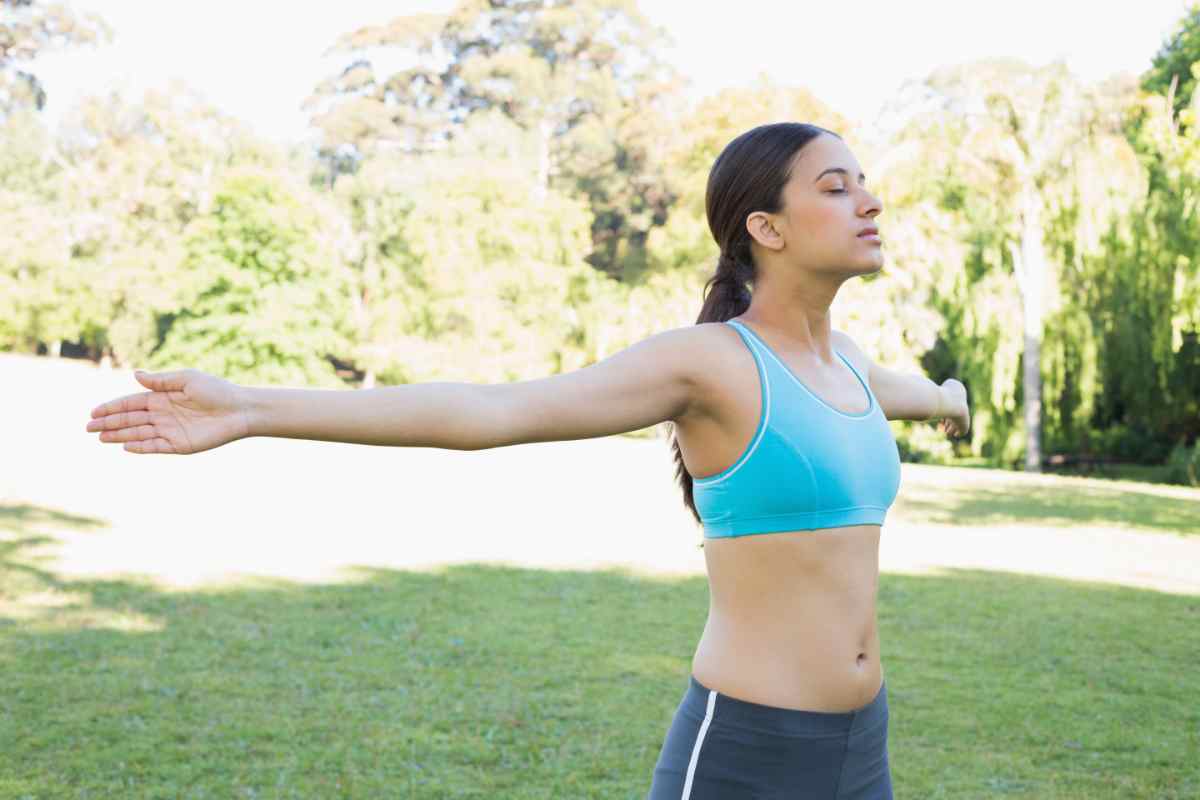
(786,721)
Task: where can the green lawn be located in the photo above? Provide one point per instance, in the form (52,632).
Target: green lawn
(489,682)
(976,497)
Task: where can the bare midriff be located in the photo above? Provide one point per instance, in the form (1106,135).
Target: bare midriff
(791,619)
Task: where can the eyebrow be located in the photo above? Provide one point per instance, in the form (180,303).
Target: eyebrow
(837,169)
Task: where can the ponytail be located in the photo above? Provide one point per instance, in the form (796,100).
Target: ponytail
(725,296)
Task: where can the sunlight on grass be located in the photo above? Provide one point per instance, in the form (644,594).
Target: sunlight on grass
(976,497)
(485,681)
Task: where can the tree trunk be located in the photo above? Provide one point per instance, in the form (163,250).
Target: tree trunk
(370,280)
(545,130)
(1029,267)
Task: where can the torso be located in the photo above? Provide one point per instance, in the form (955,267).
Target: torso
(791,619)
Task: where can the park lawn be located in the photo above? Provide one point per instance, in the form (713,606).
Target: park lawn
(488,681)
(973,497)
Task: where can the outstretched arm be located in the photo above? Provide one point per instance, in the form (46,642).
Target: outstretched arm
(914,397)
(188,411)
(644,384)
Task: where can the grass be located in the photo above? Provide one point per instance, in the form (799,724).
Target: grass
(972,497)
(484,681)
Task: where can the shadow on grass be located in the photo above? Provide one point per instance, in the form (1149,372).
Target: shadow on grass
(1031,504)
(488,681)
(25,530)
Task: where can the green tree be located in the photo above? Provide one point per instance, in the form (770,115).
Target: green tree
(581,78)
(465,270)
(264,296)
(1171,74)
(29,29)
(1144,292)
(1009,147)
(93,219)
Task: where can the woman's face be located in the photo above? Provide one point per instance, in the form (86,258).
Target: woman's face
(826,206)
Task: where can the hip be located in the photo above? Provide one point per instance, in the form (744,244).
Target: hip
(723,747)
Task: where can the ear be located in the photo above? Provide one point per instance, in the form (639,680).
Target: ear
(761,227)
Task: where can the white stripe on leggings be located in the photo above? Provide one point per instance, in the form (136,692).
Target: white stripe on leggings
(708,714)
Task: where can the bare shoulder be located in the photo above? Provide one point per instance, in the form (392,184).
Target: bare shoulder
(719,360)
(707,347)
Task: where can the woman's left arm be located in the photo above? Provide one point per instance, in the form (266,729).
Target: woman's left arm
(913,397)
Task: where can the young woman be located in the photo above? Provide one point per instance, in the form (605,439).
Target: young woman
(782,447)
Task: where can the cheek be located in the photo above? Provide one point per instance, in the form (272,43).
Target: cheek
(819,222)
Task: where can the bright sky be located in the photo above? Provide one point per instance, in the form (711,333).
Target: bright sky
(257,61)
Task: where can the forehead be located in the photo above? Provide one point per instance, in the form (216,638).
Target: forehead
(820,154)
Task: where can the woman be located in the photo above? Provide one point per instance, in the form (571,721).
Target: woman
(783,419)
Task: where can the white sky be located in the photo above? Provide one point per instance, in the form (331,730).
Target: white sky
(259,60)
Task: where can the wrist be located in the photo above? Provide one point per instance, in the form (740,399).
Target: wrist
(249,402)
(943,403)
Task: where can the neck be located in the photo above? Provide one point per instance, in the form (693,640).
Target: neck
(797,313)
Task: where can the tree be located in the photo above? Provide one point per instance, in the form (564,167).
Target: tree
(464,270)
(1024,143)
(29,29)
(91,222)
(1171,74)
(264,297)
(581,78)
(1145,292)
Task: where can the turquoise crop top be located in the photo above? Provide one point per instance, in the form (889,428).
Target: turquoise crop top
(808,464)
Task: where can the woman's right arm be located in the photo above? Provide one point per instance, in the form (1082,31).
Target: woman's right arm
(651,381)
(190,411)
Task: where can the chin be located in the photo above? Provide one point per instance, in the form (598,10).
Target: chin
(873,268)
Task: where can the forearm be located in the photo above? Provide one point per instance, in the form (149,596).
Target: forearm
(455,416)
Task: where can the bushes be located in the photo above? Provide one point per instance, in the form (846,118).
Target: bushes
(1183,464)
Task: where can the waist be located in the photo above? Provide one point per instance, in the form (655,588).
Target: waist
(823,674)
(792,619)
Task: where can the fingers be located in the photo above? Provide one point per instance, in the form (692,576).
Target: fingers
(162,381)
(130,434)
(113,422)
(156,445)
(130,402)
(156,381)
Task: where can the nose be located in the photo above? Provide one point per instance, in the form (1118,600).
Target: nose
(874,206)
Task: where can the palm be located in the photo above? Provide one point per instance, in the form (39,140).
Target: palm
(188,411)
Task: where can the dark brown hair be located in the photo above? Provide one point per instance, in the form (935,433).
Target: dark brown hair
(748,176)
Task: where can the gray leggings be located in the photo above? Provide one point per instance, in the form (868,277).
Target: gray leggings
(722,748)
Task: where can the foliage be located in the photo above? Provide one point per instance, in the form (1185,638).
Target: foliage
(28,29)
(1173,70)
(470,256)
(582,77)
(1183,464)
(262,299)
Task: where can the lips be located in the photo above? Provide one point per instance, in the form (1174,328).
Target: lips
(869,232)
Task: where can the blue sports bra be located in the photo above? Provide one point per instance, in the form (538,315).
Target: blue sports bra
(808,464)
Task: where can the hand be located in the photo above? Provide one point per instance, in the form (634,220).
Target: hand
(186,411)
(957,420)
